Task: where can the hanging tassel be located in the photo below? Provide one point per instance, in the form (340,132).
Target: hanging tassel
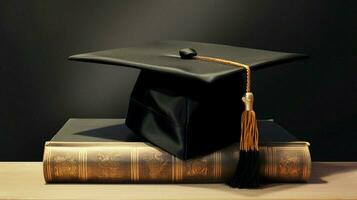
(247,171)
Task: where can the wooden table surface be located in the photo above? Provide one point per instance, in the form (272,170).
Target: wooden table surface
(330,180)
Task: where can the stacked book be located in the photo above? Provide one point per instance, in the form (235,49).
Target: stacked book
(106,151)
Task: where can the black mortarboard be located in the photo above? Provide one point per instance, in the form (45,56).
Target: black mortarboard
(187,98)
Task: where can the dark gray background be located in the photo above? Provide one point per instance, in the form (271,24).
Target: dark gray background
(39,89)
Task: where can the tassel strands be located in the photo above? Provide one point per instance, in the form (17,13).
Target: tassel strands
(247,172)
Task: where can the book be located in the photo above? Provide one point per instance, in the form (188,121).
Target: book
(106,151)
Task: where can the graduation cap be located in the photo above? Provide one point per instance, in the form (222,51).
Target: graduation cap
(187,99)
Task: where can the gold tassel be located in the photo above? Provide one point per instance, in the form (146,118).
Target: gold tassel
(249,129)
(247,172)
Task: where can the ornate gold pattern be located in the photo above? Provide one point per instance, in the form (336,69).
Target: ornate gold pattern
(138,162)
(156,164)
(107,163)
(66,164)
(197,167)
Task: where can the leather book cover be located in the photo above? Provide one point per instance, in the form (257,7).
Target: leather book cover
(105,150)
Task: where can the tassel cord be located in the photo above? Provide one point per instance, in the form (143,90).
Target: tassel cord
(228,62)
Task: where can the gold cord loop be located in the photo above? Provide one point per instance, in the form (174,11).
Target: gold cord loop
(228,62)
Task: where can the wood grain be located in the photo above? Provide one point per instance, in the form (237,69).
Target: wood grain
(329,180)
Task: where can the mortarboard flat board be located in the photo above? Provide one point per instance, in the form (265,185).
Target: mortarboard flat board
(187,107)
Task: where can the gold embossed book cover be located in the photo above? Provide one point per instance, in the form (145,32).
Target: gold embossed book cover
(105,150)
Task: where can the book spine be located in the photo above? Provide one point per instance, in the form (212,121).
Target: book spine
(142,163)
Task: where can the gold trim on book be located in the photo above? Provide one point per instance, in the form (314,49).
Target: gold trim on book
(178,169)
(44,163)
(69,162)
(82,168)
(137,164)
(47,163)
(307,165)
(173,175)
(217,165)
(134,167)
(274,163)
